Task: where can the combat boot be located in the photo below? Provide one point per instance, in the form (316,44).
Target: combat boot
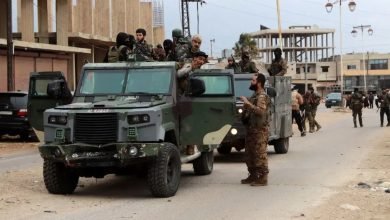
(361,122)
(251,177)
(354,124)
(318,127)
(261,180)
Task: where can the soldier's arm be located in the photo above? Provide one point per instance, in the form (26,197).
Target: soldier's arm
(261,106)
(283,71)
(184,71)
(300,99)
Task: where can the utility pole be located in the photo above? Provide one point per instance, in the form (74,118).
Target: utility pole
(185,16)
(10,51)
(211,47)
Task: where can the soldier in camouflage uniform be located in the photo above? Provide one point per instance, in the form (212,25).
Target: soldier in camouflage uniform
(246,65)
(357,105)
(279,65)
(256,117)
(121,50)
(233,65)
(384,105)
(142,49)
(185,51)
(311,101)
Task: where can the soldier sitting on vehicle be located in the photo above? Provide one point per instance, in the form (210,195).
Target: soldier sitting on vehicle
(233,65)
(185,51)
(143,50)
(246,64)
(184,72)
(279,65)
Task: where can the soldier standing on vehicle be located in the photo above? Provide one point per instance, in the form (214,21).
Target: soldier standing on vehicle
(246,64)
(142,48)
(357,105)
(384,105)
(121,51)
(297,100)
(256,117)
(233,65)
(185,51)
(279,65)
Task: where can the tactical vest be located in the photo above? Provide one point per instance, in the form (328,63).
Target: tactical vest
(260,121)
(356,101)
(114,54)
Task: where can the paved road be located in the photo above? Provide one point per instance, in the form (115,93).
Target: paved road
(315,168)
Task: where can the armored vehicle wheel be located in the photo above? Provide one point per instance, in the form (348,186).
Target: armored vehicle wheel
(164,172)
(281,145)
(204,164)
(59,179)
(224,149)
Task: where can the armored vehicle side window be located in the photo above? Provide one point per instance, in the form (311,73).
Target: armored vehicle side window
(217,85)
(103,82)
(150,81)
(38,87)
(241,88)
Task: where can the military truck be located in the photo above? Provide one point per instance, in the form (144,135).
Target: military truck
(129,116)
(279,89)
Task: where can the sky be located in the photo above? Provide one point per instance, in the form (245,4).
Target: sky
(225,20)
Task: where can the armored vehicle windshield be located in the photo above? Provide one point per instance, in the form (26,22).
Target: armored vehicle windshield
(137,81)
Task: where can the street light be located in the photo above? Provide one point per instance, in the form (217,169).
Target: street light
(211,47)
(352,7)
(354,34)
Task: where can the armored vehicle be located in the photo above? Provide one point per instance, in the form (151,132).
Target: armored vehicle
(279,90)
(130,116)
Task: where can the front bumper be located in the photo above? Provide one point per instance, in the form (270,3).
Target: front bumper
(108,155)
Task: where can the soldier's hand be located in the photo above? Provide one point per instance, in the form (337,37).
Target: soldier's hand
(245,100)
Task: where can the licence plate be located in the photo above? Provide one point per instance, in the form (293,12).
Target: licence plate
(5,113)
(333,101)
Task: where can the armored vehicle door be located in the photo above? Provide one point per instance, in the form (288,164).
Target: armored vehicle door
(207,116)
(46,90)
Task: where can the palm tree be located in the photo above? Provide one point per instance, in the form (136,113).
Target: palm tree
(246,43)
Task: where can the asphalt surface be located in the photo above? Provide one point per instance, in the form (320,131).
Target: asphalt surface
(315,168)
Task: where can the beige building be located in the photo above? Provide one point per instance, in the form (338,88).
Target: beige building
(71,32)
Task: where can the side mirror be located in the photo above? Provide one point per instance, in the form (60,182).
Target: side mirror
(271,92)
(58,89)
(197,87)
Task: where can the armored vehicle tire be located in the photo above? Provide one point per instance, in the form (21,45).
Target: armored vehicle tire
(224,149)
(59,179)
(281,145)
(204,164)
(164,172)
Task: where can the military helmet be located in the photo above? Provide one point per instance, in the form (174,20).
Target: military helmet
(177,33)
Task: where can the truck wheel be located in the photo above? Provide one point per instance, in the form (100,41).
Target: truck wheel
(204,164)
(164,172)
(59,179)
(281,145)
(224,149)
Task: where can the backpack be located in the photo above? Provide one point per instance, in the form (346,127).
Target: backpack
(114,54)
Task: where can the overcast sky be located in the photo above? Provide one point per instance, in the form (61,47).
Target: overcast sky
(225,20)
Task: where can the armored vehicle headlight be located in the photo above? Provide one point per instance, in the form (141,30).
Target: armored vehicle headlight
(138,119)
(56,119)
(133,151)
(240,110)
(233,131)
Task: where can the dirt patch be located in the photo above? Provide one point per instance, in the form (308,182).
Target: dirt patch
(9,145)
(367,196)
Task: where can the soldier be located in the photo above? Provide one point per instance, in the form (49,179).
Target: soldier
(311,101)
(159,53)
(233,65)
(142,48)
(119,52)
(246,64)
(169,51)
(384,105)
(186,51)
(256,117)
(279,65)
(356,105)
(297,101)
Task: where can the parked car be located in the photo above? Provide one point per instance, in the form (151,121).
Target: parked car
(333,99)
(13,114)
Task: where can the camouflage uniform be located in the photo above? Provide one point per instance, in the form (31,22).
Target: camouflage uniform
(143,50)
(384,105)
(311,101)
(235,67)
(256,120)
(248,67)
(356,106)
(278,67)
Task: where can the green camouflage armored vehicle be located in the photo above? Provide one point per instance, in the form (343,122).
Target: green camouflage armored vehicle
(279,89)
(129,116)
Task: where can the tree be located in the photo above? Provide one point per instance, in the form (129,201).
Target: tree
(247,43)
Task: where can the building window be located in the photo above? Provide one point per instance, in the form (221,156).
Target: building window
(325,69)
(298,70)
(378,64)
(351,67)
(308,69)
